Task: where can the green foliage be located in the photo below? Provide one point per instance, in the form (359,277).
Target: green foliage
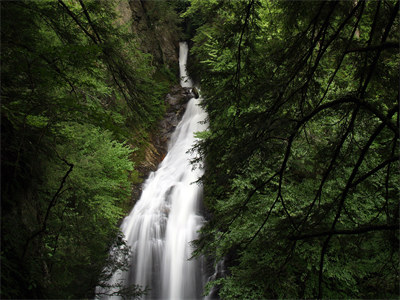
(75,87)
(302,150)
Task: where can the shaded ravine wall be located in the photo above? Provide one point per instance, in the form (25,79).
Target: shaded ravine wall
(156,25)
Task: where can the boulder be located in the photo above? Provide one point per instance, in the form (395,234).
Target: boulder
(195,91)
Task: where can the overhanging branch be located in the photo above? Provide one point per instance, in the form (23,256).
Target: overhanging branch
(359,230)
(380,47)
(50,206)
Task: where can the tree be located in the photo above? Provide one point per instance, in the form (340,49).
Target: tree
(301,154)
(74,86)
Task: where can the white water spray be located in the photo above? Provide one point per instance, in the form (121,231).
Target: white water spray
(166,218)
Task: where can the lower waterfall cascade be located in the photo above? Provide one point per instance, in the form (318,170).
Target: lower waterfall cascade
(167,216)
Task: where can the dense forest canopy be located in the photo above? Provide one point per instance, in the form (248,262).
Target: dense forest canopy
(301,155)
(302,151)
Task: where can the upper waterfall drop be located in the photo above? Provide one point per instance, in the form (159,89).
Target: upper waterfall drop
(167,216)
(186,81)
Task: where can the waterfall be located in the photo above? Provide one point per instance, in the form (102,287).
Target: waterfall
(166,218)
(183,55)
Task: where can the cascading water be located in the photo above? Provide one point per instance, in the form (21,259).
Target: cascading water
(183,54)
(166,218)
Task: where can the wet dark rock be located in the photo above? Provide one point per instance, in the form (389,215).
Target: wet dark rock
(155,152)
(176,102)
(195,92)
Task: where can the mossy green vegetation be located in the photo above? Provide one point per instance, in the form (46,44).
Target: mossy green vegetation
(302,153)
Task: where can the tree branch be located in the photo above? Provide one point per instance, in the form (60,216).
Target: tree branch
(238,63)
(380,47)
(72,15)
(49,207)
(374,170)
(239,211)
(344,195)
(345,231)
(89,20)
(332,163)
(383,40)
(263,224)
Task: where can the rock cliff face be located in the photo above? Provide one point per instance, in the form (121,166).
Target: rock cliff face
(156,150)
(155,24)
